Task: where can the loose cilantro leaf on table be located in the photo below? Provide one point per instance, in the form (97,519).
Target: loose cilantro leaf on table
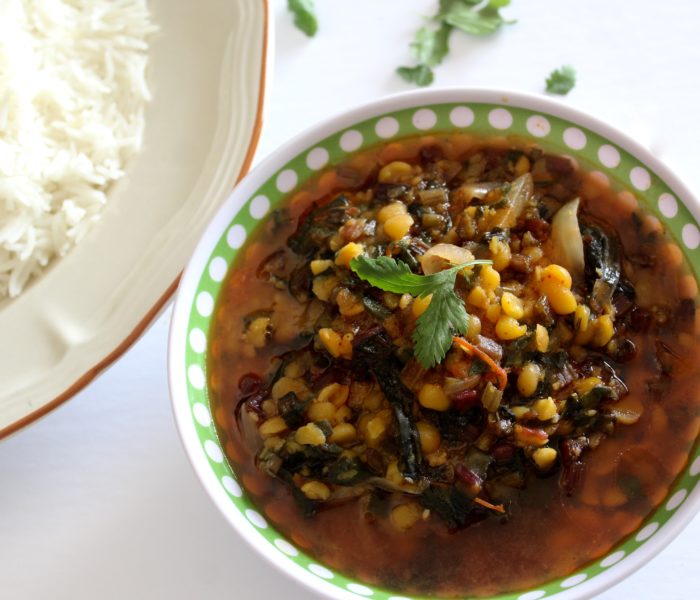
(445,314)
(561,81)
(421,75)
(465,15)
(428,49)
(304,16)
(430,46)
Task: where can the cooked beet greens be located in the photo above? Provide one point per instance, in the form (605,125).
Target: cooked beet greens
(375,353)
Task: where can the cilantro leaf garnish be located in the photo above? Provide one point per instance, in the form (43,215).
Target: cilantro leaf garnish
(304,16)
(430,46)
(561,81)
(445,314)
(444,317)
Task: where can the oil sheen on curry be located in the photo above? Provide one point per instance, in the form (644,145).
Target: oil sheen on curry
(457,366)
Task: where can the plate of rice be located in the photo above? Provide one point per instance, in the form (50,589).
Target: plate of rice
(123,126)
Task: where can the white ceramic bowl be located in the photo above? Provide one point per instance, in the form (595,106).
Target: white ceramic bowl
(596,145)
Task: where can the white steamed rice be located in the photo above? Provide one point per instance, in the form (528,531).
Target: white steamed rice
(72,97)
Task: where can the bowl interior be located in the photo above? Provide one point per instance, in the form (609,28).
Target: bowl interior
(559,129)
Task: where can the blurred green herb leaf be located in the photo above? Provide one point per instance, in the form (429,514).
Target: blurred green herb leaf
(421,75)
(430,46)
(467,16)
(304,16)
(561,81)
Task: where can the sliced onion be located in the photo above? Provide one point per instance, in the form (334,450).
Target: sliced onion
(490,347)
(491,397)
(432,196)
(516,198)
(454,385)
(625,417)
(566,240)
(442,256)
(478,190)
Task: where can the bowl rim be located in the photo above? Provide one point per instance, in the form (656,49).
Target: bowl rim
(271,165)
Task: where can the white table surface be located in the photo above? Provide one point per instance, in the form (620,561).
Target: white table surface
(98,501)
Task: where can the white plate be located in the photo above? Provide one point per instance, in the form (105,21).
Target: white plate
(207,72)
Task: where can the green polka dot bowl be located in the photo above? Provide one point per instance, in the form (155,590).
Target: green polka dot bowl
(559,128)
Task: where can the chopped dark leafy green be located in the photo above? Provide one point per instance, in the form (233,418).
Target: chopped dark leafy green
(631,486)
(292,409)
(307,507)
(346,471)
(376,308)
(478,367)
(279,219)
(518,351)
(594,397)
(300,282)
(375,354)
(317,225)
(602,266)
(408,253)
(578,414)
(325,427)
(377,504)
(561,81)
(313,459)
(452,505)
(304,16)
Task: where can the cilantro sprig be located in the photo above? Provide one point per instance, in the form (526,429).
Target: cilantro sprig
(304,16)
(431,45)
(474,16)
(445,314)
(561,81)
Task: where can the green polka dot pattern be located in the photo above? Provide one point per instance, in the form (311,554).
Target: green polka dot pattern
(558,135)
